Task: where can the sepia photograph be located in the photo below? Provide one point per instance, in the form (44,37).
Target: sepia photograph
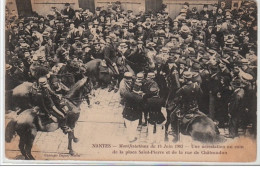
(130,80)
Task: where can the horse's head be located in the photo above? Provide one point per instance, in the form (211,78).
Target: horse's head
(80,90)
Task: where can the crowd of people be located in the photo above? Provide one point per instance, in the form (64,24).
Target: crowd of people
(201,62)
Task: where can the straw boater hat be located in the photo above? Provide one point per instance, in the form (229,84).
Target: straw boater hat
(185,29)
(230,42)
(128,75)
(187,74)
(151,75)
(139,76)
(8,67)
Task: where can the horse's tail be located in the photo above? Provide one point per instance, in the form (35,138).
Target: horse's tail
(205,130)
(10,130)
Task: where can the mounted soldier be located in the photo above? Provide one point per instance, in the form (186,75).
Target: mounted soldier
(186,101)
(50,104)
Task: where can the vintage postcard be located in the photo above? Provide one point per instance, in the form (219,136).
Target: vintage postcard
(131,80)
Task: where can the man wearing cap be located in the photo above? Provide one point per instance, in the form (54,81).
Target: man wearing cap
(13,37)
(140,79)
(86,57)
(121,60)
(173,43)
(147,85)
(96,51)
(43,63)
(50,104)
(205,13)
(68,11)
(251,56)
(49,49)
(136,56)
(55,37)
(186,6)
(212,43)
(10,82)
(78,18)
(153,106)
(72,33)
(110,56)
(20,75)
(236,107)
(63,50)
(245,67)
(133,110)
(162,57)
(75,46)
(125,86)
(186,99)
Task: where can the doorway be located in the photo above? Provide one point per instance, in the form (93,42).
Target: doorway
(87,4)
(24,7)
(153,5)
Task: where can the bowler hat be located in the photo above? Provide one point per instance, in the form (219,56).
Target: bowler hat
(195,67)
(186,3)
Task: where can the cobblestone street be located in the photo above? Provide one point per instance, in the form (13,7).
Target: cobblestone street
(102,123)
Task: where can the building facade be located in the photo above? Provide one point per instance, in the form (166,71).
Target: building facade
(43,7)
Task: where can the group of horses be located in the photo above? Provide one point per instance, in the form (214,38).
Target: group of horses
(29,121)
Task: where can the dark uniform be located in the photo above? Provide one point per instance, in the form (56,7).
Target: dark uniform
(50,104)
(133,106)
(155,116)
(69,11)
(154,108)
(146,88)
(186,100)
(236,108)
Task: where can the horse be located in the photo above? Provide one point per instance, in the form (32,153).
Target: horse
(197,125)
(20,97)
(30,121)
(98,73)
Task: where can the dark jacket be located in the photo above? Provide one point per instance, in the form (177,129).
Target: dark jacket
(133,106)
(154,108)
(69,12)
(236,105)
(187,97)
